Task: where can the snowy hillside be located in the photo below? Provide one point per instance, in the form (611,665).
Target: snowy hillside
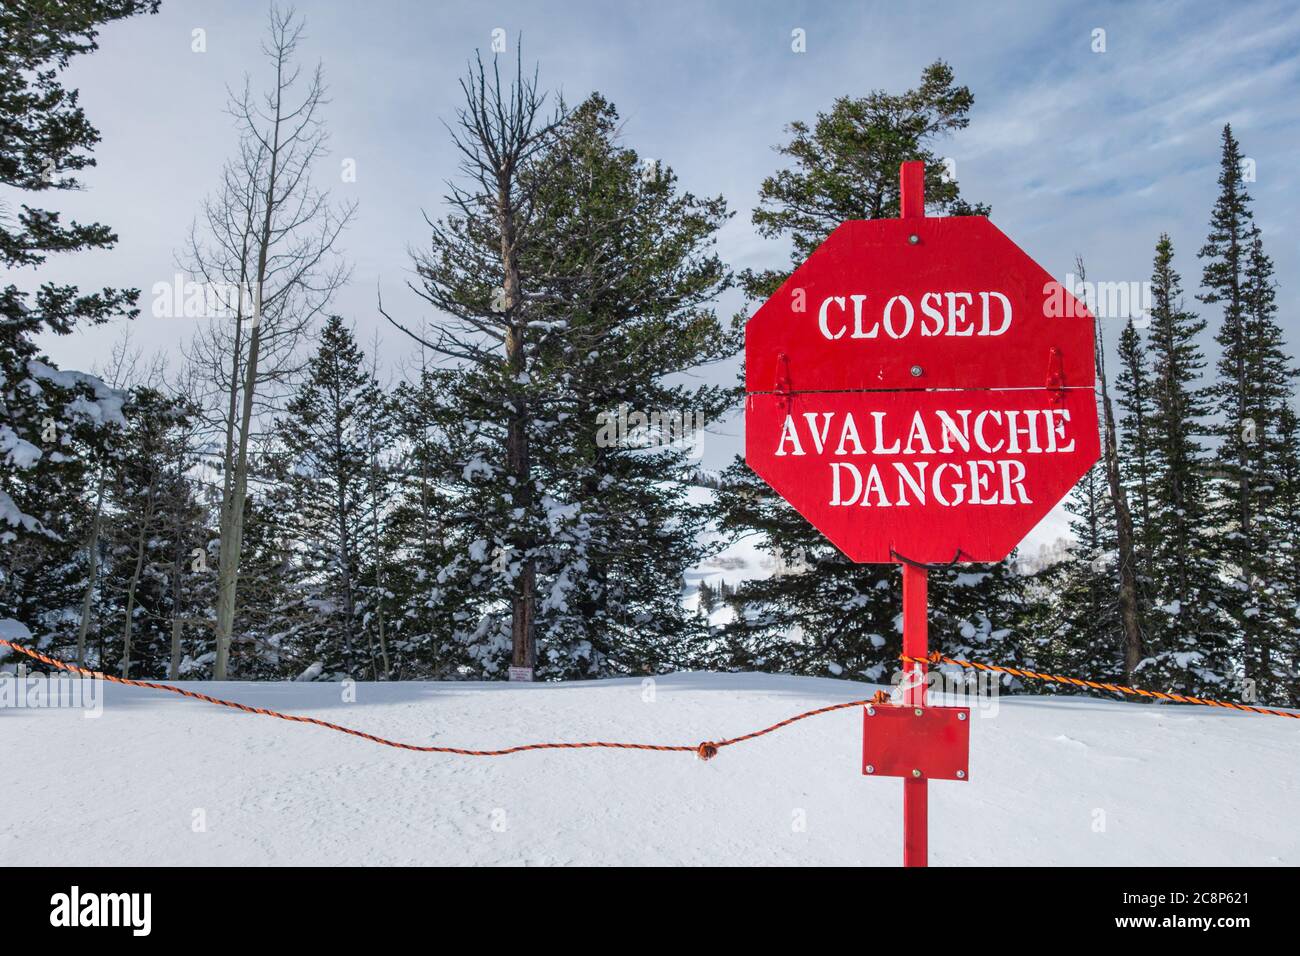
(1054,780)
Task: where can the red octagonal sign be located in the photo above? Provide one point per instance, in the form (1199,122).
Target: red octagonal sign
(920,388)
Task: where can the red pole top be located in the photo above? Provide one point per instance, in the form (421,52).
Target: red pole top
(911,190)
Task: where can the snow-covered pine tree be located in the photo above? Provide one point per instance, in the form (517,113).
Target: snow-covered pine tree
(52,422)
(45,517)
(1283,531)
(153,521)
(272,632)
(1076,619)
(134,535)
(480,273)
(1253,378)
(1133,395)
(1268,673)
(380,554)
(818,613)
(605,293)
(1184,613)
(823,614)
(118,372)
(1133,450)
(324,451)
(429,529)
(188,582)
(623,307)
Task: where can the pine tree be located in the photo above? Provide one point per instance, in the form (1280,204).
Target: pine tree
(1284,536)
(53,423)
(1133,389)
(273,635)
(189,586)
(1253,376)
(479,273)
(1268,673)
(845,166)
(1185,616)
(425,531)
(626,310)
(845,615)
(1077,624)
(136,536)
(376,434)
(1133,396)
(587,536)
(324,450)
(153,523)
(824,614)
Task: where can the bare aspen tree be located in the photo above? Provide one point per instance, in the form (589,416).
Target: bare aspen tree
(266,247)
(477,272)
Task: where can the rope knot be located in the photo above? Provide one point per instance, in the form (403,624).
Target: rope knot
(880,697)
(707,750)
(935,657)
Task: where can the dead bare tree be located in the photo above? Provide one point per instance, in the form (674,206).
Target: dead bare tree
(1130,619)
(266,251)
(476,273)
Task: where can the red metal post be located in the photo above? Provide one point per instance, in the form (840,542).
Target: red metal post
(911,192)
(915,644)
(911,205)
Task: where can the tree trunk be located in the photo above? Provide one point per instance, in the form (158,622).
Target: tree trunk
(518,462)
(232,529)
(174,666)
(135,582)
(92,572)
(378,557)
(1134,649)
(345,560)
(178,563)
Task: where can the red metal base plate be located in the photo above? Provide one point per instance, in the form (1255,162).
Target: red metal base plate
(920,743)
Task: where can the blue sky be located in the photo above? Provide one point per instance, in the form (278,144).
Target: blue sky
(1078,152)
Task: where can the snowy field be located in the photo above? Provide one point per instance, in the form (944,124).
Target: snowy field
(157,779)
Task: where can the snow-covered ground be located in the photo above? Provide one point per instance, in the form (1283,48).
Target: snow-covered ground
(157,779)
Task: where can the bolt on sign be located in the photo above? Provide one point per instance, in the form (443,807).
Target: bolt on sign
(921,391)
